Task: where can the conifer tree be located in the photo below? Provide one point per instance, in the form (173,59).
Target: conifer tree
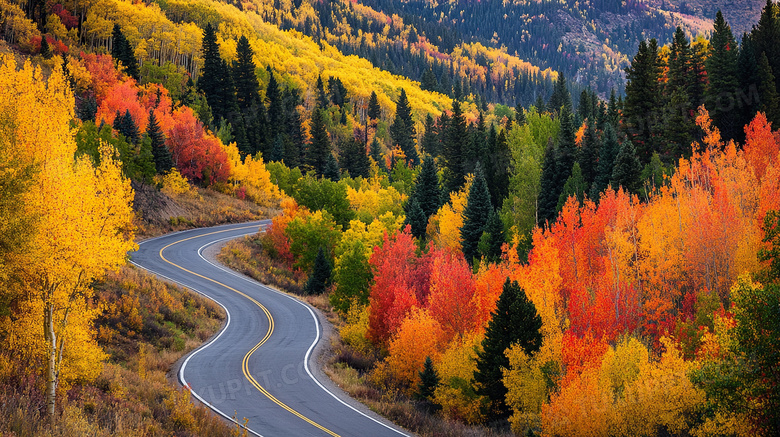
(430,143)
(574,186)
(332,170)
(493,238)
(428,81)
(275,106)
(499,160)
(163,161)
(126,126)
(319,150)
(475,215)
(770,104)
(520,118)
(613,115)
(277,151)
(643,99)
(589,153)
(403,131)
(45,49)
(376,154)
(319,279)
(429,380)
(353,158)
(766,36)
(607,155)
(453,148)
(514,322)
(547,200)
(426,188)
(322,97)
(560,97)
(374,110)
(747,100)
(247,85)
(122,52)
(627,170)
(415,218)
(568,152)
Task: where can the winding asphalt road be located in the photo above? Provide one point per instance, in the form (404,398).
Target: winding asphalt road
(260,366)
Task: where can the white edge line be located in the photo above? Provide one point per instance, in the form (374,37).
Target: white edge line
(202,347)
(316,324)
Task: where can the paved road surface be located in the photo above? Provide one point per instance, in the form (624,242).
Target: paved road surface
(260,366)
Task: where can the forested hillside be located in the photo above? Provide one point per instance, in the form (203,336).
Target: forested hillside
(598,260)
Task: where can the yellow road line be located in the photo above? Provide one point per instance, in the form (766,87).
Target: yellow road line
(245,362)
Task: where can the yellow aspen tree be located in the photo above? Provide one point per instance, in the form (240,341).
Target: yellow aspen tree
(84,218)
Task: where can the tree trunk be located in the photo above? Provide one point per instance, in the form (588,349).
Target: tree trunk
(51,373)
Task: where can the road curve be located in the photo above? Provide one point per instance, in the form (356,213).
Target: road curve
(260,366)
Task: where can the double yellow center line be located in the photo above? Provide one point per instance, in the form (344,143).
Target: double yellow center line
(245,362)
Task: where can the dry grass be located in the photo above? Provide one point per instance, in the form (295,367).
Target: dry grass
(146,326)
(158,213)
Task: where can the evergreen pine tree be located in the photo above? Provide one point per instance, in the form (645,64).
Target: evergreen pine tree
(428,81)
(376,154)
(475,215)
(319,150)
(560,97)
(589,154)
(641,110)
(514,322)
(332,170)
(45,49)
(766,89)
(126,126)
(499,159)
(403,131)
(520,115)
(163,161)
(627,172)
(613,114)
(319,279)
(374,110)
(429,380)
(343,119)
(322,97)
(415,217)
(123,52)
(568,152)
(275,106)
(426,188)
(211,81)
(277,152)
(493,238)
(607,155)
(678,126)
(574,186)
(539,104)
(453,148)
(547,200)
(765,36)
(247,85)
(747,99)
(353,158)
(430,143)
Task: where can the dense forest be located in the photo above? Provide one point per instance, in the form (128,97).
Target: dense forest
(504,243)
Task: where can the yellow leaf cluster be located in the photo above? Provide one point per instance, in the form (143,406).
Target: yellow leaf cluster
(83,222)
(251,174)
(174,184)
(456,368)
(444,226)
